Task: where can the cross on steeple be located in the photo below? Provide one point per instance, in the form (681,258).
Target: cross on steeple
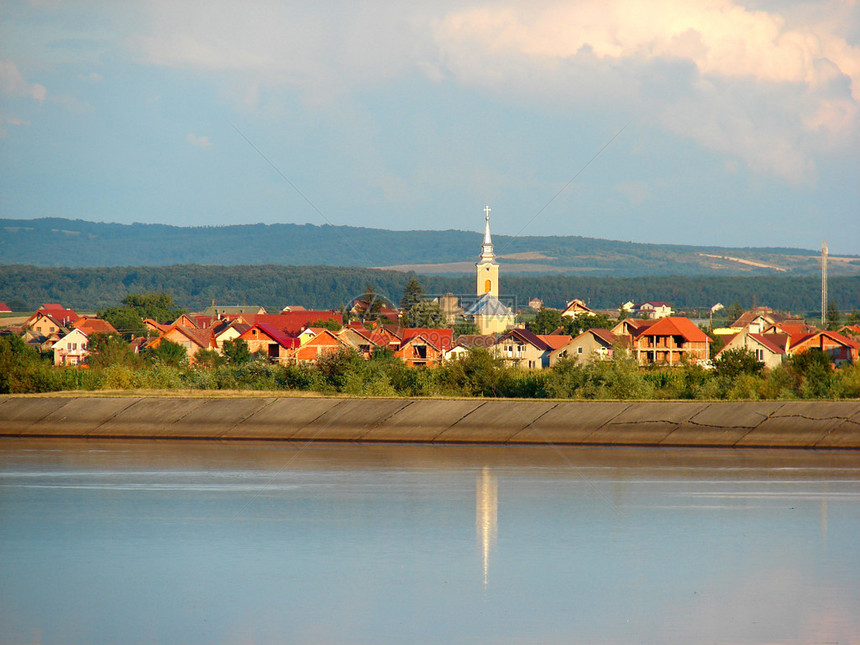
(487,210)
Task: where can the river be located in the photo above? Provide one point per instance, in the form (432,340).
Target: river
(207,542)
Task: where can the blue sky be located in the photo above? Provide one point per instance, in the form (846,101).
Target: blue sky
(739,123)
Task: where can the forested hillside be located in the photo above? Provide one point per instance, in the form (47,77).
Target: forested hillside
(77,243)
(194,287)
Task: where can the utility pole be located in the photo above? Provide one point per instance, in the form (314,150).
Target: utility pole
(823,284)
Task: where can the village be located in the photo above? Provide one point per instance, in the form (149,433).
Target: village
(648,332)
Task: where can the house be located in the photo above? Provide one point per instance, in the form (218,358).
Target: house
(850,330)
(323,343)
(58,312)
(523,348)
(71,349)
(264,339)
(359,339)
(226,330)
(654,310)
(191,338)
(576,308)
(590,345)
(556,342)
(4,308)
(465,343)
(536,304)
(758,319)
(670,341)
(44,324)
(769,349)
(841,349)
(419,351)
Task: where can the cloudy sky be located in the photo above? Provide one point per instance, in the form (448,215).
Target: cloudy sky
(710,122)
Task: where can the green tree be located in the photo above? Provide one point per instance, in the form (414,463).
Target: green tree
(733,312)
(546,321)
(577,325)
(208,358)
(157,305)
(125,320)
(427,314)
(734,362)
(833,316)
(110,349)
(236,351)
(413,293)
(167,353)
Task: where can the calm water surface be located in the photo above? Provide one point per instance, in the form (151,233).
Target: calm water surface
(146,542)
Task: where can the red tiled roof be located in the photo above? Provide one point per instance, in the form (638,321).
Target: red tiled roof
(675,326)
(555,341)
(4,308)
(291,322)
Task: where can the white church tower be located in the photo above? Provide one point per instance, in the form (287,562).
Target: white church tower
(490,315)
(487,270)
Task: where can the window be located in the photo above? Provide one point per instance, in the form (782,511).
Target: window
(488,285)
(579,350)
(73,346)
(759,355)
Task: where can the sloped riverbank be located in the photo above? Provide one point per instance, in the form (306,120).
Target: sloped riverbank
(760,424)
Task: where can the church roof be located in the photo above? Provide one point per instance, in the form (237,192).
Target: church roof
(488,305)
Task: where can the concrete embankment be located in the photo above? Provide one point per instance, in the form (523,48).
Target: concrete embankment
(768,424)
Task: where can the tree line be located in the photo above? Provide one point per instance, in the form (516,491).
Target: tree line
(195,287)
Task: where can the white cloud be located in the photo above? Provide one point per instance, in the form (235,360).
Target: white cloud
(13,83)
(740,82)
(198,142)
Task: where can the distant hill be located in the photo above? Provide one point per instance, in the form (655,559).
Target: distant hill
(53,242)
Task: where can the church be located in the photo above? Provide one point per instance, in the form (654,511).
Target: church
(490,315)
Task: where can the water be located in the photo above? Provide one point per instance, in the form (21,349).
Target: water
(147,542)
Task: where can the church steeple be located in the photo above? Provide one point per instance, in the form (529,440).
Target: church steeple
(487,253)
(487,271)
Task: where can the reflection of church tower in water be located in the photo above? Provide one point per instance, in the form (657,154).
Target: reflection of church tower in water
(486,516)
(490,315)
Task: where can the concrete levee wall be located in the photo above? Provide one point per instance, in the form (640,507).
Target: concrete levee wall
(761,424)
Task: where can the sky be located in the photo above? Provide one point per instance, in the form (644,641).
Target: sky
(715,122)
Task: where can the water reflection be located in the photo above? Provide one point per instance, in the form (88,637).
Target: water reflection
(486,516)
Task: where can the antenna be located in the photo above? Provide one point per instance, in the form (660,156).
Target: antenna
(823,283)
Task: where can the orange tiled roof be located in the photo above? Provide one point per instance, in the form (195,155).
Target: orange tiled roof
(675,326)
